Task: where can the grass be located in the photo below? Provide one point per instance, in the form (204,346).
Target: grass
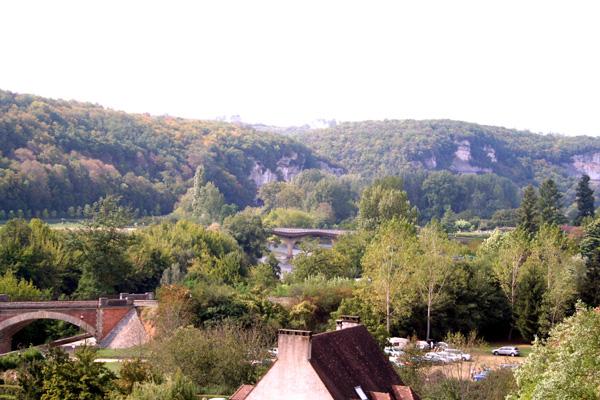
(524,348)
(132,352)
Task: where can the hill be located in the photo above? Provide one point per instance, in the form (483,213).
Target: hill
(389,147)
(57,156)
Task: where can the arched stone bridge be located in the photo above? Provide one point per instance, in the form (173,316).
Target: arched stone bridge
(290,236)
(100,318)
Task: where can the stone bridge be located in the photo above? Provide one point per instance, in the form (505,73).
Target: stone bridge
(108,320)
(290,236)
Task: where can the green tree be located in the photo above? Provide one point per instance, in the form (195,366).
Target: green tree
(435,265)
(379,204)
(528,212)
(20,289)
(57,377)
(561,271)
(102,247)
(388,263)
(507,255)
(550,203)
(590,250)
(584,197)
(247,229)
(565,366)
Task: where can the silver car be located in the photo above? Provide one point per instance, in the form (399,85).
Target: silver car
(506,351)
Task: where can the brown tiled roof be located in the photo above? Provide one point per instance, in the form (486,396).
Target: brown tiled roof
(404,393)
(381,396)
(242,392)
(348,358)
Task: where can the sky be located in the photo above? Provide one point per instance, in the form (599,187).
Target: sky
(523,64)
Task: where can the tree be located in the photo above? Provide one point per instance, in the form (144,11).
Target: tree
(247,229)
(584,197)
(528,212)
(565,366)
(435,266)
(561,271)
(20,289)
(59,377)
(102,249)
(207,200)
(379,204)
(590,250)
(550,203)
(507,254)
(217,359)
(174,309)
(388,263)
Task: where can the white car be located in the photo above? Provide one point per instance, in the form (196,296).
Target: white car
(436,357)
(392,351)
(457,355)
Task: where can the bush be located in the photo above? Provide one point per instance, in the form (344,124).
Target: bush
(177,387)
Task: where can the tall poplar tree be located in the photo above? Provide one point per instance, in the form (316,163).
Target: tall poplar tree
(585,200)
(550,204)
(528,213)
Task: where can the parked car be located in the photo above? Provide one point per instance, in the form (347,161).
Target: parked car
(398,342)
(436,357)
(441,345)
(392,351)
(506,351)
(458,354)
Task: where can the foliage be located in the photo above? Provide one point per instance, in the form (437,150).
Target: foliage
(58,377)
(528,212)
(566,365)
(20,289)
(388,263)
(434,266)
(133,372)
(57,156)
(217,359)
(175,387)
(174,309)
(584,198)
(590,250)
(37,254)
(289,218)
(102,249)
(247,229)
(207,201)
(380,203)
(550,204)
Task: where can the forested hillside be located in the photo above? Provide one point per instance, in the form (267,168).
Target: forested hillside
(376,148)
(57,156)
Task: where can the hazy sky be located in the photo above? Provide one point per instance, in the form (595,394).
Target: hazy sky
(521,64)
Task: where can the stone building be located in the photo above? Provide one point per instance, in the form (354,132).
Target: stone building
(345,364)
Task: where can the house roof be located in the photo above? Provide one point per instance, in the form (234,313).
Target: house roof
(350,357)
(242,392)
(404,393)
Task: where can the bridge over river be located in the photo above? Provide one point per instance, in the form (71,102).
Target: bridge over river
(290,236)
(110,321)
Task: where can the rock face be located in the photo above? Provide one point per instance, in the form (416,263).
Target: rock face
(262,175)
(462,160)
(287,168)
(490,152)
(586,164)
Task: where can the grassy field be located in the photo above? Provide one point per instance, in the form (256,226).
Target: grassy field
(133,352)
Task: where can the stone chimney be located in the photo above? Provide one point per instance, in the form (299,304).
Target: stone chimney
(293,346)
(347,321)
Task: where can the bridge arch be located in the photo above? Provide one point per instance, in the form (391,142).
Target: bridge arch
(18,321)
